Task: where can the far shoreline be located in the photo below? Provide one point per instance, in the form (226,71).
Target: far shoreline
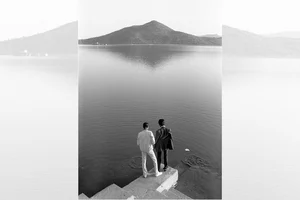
(188,45)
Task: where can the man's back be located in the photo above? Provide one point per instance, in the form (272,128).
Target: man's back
(145,140)
(162,138)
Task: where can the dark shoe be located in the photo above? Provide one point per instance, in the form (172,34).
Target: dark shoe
(165,168)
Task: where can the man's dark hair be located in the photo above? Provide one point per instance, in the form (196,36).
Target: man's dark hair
(145,125)
(161,122)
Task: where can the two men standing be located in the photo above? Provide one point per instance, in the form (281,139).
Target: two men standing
(162,142)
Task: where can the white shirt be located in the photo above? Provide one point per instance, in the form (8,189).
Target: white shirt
(145,140)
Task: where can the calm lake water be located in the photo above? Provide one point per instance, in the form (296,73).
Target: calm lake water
(120,87)
(261,117)
(38,114)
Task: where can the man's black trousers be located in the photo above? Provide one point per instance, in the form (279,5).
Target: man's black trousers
(165,159)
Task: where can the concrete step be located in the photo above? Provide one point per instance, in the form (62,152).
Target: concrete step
(154,195)
(113,192)
(142,186)
(82,196)
(174,194)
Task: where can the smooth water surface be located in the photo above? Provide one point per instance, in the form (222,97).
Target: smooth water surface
(38,113)
(261,117)
(120,87)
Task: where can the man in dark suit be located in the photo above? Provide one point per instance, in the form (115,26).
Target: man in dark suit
(163,138)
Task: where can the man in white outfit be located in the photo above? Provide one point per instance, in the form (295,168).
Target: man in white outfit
(146,141)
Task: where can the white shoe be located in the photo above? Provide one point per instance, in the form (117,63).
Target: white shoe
(145,175)
(158,174)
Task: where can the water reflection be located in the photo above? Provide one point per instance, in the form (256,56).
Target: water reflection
(153,56)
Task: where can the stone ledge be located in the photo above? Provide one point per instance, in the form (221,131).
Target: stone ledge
(141,186)
(82,196)
(113,192)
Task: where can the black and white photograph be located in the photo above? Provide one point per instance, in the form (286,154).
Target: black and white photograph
(150,99)
(135,99)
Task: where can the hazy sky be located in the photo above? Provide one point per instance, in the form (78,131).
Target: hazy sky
(27,17)
(99,17)
(262,16)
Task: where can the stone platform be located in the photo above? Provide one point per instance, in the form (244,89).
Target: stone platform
(161,187)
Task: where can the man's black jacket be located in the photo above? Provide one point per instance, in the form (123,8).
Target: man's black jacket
(163,139)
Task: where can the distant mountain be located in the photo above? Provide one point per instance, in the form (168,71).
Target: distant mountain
(239,42)
(151,33)
(287,34)
(61,40)
(211,35)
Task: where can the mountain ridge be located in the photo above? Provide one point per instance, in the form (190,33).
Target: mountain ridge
(60,40)
(240,42)
(286,34)
(152,32)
